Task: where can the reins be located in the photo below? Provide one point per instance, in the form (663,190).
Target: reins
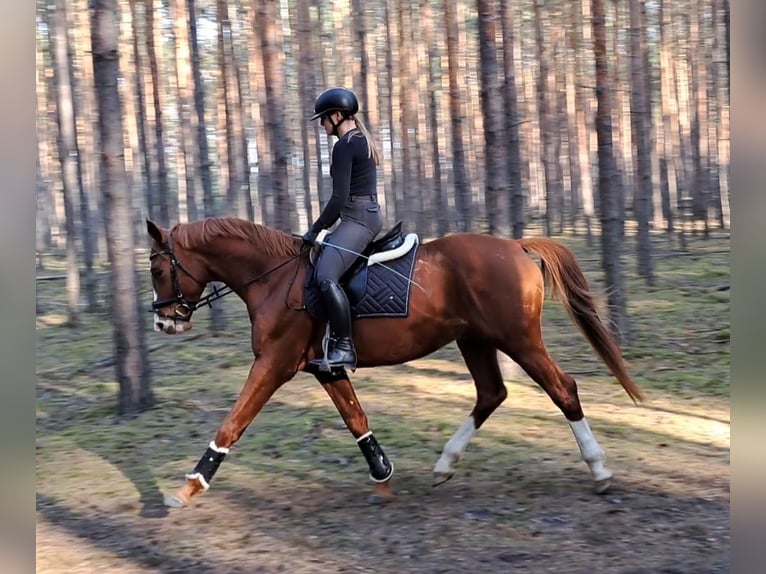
(208,299)
(188,307)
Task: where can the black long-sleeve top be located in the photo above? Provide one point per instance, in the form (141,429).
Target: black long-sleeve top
(353,174)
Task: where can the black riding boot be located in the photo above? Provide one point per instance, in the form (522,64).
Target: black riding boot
(341,352)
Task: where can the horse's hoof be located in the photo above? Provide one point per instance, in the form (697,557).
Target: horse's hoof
(173,501)
(441,477)
(376,498)
(381,493)
(601,486)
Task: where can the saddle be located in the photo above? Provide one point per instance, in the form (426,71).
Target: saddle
(372,290)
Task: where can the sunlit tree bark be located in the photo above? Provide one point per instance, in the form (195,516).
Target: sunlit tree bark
(641,126)
(68,153)
(611,237)
(512,121)
(167,205)
(463,200)
(131,360)
(265,16)
(496,175)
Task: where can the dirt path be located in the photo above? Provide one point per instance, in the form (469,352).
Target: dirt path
(521,500)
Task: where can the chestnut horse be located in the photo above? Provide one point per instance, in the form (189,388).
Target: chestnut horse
(482,291)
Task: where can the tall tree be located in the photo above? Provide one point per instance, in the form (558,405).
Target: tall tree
(188,178)
(611,236)
(621,144)
(547,111)
(265,16)
(641,126)
(307,88)
(140,89)
(512,121)
(463,201)
(439,200)
(203,168)
(45,135)
(569,94)
(495,193)
(406,95)
(166,204)
(362,61)
(699,118)
(392,185)
(202,154)
(237,185)
(131,359)
(585,114)
(69,153)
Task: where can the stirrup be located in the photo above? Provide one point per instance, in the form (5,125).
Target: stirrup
(324,364)
(328,348)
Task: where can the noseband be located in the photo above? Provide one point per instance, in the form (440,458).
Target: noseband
(183,309)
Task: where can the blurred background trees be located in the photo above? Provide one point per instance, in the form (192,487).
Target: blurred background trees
(598,118)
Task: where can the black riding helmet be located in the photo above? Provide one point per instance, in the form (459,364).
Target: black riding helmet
(336,100)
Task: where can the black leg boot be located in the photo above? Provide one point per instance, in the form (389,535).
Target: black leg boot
(341,352)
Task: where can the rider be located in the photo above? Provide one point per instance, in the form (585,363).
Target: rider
(355,201)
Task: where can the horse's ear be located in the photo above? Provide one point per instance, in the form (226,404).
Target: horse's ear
(155,231)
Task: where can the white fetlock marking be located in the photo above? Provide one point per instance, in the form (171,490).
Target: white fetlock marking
(221,449)
(199,478)
(455,447)
(590,451)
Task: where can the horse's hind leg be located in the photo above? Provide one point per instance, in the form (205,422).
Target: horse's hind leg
(341,392)
(529,352)
(481,359)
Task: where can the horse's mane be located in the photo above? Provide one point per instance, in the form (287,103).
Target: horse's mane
(269,241)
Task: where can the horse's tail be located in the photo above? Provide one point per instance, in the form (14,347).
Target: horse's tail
(565,279)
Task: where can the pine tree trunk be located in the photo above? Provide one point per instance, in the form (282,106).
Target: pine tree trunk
(640,127)
(495,192)
(69,154)
(463,201)
(188,178)
(440,223)
(307,87)
(132,365)
(611,236)
(166,205)
(237,189)
(512,122)
(546,113)
(265,20)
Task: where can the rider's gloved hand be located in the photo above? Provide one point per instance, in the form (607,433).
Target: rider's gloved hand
(310,237)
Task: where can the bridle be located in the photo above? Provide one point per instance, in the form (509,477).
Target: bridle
(183,309)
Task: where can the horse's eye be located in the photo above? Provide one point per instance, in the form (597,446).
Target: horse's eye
(156,273)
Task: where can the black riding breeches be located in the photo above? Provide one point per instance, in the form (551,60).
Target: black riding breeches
(360,221)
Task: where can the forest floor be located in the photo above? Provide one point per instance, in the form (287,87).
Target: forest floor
(293,494)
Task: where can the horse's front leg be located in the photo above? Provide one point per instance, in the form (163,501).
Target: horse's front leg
(338,386)
(262,381)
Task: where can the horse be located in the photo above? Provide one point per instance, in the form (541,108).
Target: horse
(482,291)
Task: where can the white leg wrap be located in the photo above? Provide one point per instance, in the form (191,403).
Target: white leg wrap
(213,446)
(590,450)
(199,478)
(455,447)
(364,436)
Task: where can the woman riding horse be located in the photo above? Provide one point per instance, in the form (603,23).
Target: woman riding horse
(355,201)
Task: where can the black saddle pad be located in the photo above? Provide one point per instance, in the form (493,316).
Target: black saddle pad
(378,290)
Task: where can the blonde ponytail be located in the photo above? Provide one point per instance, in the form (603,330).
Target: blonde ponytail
(372,150)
